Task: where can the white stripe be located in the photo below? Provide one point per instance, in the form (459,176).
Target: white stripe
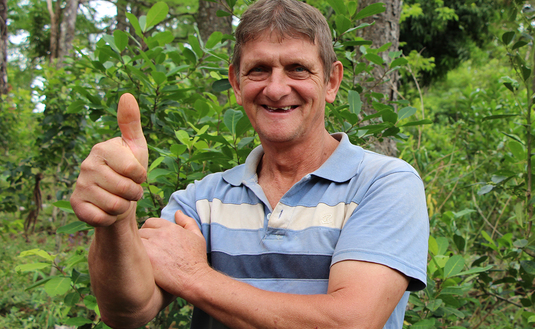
(251,217)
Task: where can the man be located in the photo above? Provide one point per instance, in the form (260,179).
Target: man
(311,232)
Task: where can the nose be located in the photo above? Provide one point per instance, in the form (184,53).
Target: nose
(277,85)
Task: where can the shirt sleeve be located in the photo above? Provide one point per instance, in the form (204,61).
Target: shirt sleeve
(390,226)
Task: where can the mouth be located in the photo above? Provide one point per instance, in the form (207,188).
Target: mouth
(279,109)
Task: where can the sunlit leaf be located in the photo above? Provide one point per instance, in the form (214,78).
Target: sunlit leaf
(157,13)
(454,265)
(58,286)
(74,227)
(371,10)
(231,118)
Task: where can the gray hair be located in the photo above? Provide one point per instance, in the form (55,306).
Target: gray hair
(288,18)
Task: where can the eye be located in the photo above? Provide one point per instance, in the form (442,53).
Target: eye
(299,72)
(258,73)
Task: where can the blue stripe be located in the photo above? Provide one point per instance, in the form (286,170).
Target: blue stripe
(272,265)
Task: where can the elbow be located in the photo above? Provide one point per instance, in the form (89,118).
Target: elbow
(124,321)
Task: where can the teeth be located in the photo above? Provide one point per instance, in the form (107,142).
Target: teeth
(286,108)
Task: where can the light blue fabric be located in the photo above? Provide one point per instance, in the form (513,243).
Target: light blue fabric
(358,205)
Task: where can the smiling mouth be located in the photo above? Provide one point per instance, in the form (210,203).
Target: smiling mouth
(279,109)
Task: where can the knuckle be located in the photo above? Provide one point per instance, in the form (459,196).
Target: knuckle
(117,206)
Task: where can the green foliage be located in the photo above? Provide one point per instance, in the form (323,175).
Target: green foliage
(446,30)
(192,124)
(475,163)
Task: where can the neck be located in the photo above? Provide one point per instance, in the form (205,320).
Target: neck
(284,165)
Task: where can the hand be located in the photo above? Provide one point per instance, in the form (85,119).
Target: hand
(177,252)
(110,177)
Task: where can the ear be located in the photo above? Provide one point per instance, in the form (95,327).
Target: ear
(333,84)
(235,83)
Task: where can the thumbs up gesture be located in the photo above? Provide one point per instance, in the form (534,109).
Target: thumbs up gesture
(110,178)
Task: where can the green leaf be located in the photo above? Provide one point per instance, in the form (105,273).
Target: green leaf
(195,45)
(90,302)
(406,112)
(221,85)
(389,116)
(135,23)
(485,189)
(463,212)
(190,55)
(157,173)
(376,59)
(222,13)
(433,305)
(71,298)
(371,10)
(214,39)
(183,137)
(58,286)
(38,252)
(519,44)
(77,321)
(121,39)
(231,118)
(64,205)
(159,77)
(399,62)
(424,324)
(32,267)
(526,72)
(355,103)
(454,265)
(163,38)
(76,107)
(475,270)
(517,149)
(156,14)
(342,24)
(433,245)
(442,244)
(74,227)
(507,37)
(338,6)
(528,266)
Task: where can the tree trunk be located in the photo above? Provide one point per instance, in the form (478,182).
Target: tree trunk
(121,16)
(208,22)
(54,28)
(68,26)
(3,48)
(385,30)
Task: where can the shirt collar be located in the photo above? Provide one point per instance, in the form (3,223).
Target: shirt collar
(335,169)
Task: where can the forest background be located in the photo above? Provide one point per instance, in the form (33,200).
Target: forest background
(446,85)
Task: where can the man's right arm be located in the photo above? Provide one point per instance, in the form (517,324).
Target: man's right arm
(105,197)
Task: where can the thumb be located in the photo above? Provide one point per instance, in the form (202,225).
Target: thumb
(187,223)
(129,121)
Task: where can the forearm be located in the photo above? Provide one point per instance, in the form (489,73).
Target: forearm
(239,305)
(121,275)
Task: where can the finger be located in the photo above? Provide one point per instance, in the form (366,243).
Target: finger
(113,177)
(156,223)
(129,121)
(117,156)
(90,213)
(187,223)
(108,202)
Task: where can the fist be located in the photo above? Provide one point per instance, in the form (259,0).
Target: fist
(110,178)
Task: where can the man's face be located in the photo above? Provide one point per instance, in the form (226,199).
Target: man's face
(282,87)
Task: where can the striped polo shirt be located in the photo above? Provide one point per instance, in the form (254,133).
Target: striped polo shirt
(358,205)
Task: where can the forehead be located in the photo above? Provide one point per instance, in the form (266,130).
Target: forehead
(273,46)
